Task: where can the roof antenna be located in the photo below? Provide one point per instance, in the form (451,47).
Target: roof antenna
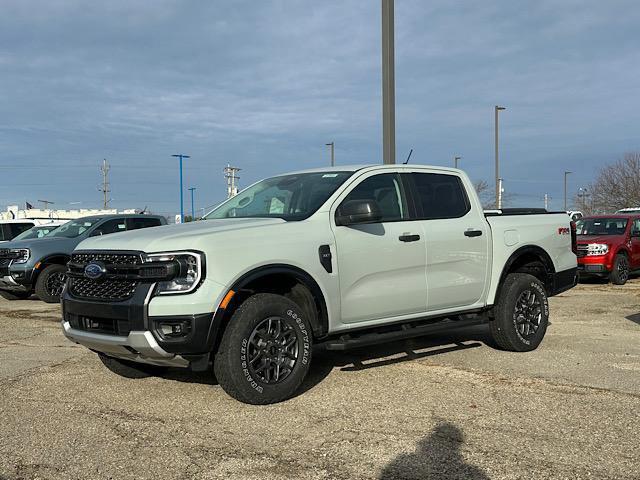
(408,157)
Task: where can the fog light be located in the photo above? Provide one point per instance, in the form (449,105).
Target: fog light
(174,328)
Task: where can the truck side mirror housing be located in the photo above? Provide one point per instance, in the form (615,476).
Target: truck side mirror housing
(357,212)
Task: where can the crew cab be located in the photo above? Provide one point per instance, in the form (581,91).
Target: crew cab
(39,264)
(343,257)
(609,246)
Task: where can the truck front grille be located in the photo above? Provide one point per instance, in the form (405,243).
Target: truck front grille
(111,289)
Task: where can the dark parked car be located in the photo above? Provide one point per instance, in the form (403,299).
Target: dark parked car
(40,264)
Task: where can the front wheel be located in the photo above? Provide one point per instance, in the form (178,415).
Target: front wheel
(521,313)
(620,273)
(50,283)
(265,351)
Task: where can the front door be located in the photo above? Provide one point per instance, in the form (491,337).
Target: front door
(381,265)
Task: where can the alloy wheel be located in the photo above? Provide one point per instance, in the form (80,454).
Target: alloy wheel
(272,350)
(55,283)
(528,313)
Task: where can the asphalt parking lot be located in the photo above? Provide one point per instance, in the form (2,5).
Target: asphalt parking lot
(436,407)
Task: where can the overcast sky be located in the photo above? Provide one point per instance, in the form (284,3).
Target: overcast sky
(263,85)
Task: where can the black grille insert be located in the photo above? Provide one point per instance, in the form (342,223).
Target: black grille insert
(109,289)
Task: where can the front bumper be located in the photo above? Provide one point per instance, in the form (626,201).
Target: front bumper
(593,269)
(7,282)
(125,330)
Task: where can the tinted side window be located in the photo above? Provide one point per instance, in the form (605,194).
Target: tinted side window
(137,223)
(113,226)
(439,196)
(385,189)
(16,229)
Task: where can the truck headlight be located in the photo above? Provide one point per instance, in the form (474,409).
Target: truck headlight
(594,249)
(20,255)
(190,271)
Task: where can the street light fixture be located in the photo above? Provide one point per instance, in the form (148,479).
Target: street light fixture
(565,190)
(497,108)
(181,156)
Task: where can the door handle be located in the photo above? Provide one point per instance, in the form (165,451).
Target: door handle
(409,238)
(472,233)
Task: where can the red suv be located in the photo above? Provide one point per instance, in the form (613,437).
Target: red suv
(609,246)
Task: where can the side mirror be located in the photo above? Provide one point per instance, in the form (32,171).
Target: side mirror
(635,233)
(356,212)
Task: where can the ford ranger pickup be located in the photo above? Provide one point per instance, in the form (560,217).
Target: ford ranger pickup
(340,258)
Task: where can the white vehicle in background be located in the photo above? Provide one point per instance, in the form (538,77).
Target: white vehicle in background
(9,229)
(629,210)
(344,257)
(575,215)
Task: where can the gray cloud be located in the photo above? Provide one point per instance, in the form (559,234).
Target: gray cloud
(265,84)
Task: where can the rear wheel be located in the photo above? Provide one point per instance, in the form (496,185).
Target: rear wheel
(620,273)
(14,295)
(127,369)
(50,283)
(521,313)
(265,351)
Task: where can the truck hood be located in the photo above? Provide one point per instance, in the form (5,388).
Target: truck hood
(174,237)
(53,244)
(609,239)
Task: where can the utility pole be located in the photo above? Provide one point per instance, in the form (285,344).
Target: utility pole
(388,84)
(546,201)
(230,173)
(565,190)
(497,108)
(104,169)
(500,191)
(333,158)
(181,156)
(583,195)
(455,161)
(193,211)
(46,203)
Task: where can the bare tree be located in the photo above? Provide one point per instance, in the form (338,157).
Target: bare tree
(617,186)
(485,194)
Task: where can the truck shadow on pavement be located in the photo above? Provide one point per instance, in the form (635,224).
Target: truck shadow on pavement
(635,318)
(365,358)
(437,456)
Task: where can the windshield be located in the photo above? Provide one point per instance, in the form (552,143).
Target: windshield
(36,232)
(290,197)
(601,226)
(72,229)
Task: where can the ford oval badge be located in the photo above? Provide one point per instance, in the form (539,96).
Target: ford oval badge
(94,271)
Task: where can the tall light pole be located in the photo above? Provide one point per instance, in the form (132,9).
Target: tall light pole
(497,108)
(193,211)
(333,158)
(565,190)
(388,85)
(455,161)
(181,156)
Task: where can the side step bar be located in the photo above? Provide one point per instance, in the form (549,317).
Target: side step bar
(348,341)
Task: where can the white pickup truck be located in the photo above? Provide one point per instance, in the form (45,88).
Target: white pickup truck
(342,257)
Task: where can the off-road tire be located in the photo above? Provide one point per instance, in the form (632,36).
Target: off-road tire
(232,365)
(620,273)
(14,295)
(44,280)
(126,369)
(508,319)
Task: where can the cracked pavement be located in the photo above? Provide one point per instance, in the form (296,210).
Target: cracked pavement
(436,407)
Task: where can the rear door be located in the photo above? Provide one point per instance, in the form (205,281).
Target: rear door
(381,265)
(457,240)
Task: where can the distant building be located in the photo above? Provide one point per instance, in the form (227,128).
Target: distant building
(14,212)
